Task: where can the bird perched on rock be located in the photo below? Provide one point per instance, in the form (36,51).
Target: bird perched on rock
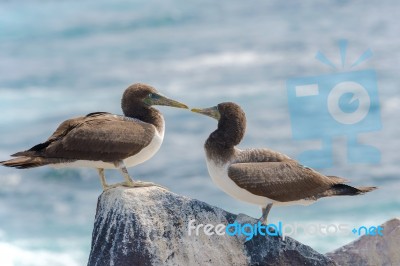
(262,176)
(103,140)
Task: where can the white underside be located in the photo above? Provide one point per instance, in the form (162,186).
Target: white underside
(219,175)
(144,155)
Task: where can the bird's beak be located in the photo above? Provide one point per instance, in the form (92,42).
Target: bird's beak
(158,99)
(211,112)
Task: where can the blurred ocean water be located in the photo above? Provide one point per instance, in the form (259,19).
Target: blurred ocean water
(60,59)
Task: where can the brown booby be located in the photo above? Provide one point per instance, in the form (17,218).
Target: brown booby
(103,140)
(262,176)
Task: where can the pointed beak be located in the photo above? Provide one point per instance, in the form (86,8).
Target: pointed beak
(162,100)
(211,112)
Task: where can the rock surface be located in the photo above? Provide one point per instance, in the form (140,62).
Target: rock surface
(372,250)
(149,226)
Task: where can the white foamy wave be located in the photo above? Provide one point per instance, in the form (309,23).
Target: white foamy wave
(11,255)
(391,104)
(11,180)
(244,58)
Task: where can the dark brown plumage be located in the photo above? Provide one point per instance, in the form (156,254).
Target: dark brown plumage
(96,137)
(231,129)
(288,181)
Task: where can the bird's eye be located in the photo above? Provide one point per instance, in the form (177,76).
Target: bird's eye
(150,95)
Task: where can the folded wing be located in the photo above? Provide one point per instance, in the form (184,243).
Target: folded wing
(97,136)
(281,180)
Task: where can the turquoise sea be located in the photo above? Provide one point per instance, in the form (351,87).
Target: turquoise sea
(60,59)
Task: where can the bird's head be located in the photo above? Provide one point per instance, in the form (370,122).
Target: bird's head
(223,111)
(144,96)
(231,119)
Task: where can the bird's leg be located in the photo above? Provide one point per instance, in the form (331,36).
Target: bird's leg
(128,180)
(122,168)
(265,212)
(102,178)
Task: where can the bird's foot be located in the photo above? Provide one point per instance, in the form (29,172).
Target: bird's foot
(133,184)
(143,184)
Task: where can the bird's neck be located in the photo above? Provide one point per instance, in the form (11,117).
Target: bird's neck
(220,145)
(149,115)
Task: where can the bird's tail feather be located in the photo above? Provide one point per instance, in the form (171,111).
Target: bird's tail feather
(346,190)
(25,162)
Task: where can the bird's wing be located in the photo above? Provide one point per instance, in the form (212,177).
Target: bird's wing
(275,177)
(260,155)
(97,136)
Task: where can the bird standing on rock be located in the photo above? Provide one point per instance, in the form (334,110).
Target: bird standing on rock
(262,176)
(103,140)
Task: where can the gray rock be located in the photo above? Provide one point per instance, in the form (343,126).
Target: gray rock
(372,250)
(149,226)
